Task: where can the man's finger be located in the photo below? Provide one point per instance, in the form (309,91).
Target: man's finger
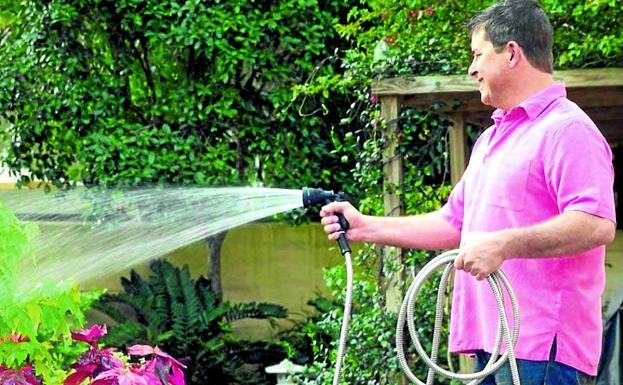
(468,266)
(332,228)
(328,220)
(458,262)
(332,208)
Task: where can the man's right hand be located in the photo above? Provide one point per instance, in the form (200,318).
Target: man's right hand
(331,222)
(429,231)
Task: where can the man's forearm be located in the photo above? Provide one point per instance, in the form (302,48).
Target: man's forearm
(567,234)
(429,231)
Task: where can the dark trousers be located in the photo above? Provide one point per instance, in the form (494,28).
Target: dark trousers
(547,372)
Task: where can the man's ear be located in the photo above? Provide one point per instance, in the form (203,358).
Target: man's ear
(514,53)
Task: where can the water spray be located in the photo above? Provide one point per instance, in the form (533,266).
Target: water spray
(131,227)
(314,197)
(497,280)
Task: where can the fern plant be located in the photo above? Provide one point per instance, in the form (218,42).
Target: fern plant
(190,321)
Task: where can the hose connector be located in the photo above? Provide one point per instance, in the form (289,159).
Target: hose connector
(316,196)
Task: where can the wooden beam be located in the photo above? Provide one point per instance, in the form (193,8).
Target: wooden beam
(448,102)
(457,146)
(597,97)
(449,84)
(392,179)
(424,85)
(612,131)
(608,114)
(590,78)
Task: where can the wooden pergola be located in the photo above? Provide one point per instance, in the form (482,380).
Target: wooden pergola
(598,91)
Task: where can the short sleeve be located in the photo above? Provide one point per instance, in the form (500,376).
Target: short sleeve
(452,211)
(579,172)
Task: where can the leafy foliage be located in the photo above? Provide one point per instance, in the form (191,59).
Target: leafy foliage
(587,33)
(417,37)
(199,92)
(35,323)
(186,318)
(370,337)
(137,92)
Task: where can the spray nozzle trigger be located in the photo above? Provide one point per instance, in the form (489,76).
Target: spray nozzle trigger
(341,197)
(315,196)
(344,225)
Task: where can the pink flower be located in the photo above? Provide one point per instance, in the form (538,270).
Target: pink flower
(125,376)
(145,350)
(91,363)
(91,335)
(104,368)
(165,367)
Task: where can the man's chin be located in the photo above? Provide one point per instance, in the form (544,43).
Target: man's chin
(484,99)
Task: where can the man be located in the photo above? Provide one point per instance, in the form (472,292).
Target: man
(536,201)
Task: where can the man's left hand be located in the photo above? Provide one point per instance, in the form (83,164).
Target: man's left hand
(480,254)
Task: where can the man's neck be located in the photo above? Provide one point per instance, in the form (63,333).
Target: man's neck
(525,85)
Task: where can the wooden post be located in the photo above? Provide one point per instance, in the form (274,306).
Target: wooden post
(392,180)
(458,163)
(457,146)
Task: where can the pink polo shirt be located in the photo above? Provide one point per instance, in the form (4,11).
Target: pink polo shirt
(542,158)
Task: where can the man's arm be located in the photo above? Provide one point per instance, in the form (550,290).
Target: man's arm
(569,233)
(429,231)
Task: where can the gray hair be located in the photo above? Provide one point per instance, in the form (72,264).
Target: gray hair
(523,21)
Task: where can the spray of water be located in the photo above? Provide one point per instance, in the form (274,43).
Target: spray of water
(104,232)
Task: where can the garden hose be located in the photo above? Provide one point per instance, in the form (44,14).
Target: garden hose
(313,197)
(348,300)
(497,281)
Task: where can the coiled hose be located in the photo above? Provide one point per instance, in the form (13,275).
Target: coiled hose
(497,281)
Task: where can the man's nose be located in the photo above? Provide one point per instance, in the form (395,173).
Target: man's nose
(471,71)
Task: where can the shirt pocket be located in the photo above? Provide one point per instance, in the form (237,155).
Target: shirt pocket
(509,182)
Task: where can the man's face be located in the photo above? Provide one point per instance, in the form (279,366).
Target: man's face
(489,68)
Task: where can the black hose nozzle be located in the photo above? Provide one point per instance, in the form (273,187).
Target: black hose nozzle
(316,196)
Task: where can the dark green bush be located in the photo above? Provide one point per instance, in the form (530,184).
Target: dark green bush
(136,92)
(191,322)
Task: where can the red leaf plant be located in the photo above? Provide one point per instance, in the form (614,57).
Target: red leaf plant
(101,367)
(23,376)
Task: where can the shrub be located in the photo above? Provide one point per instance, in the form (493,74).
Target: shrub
(35,319)
(188,319)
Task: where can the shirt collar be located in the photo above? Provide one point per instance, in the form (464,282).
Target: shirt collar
(535,104)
